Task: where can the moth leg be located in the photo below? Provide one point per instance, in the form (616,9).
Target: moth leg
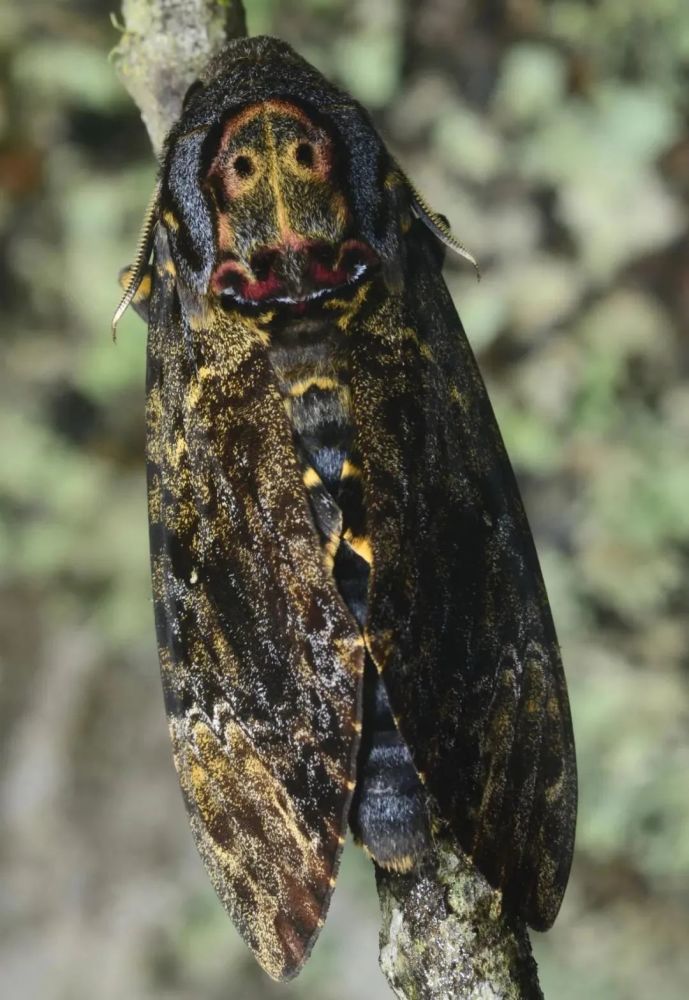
(143,293)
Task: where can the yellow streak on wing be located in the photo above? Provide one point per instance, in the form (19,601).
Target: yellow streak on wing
(168,268)
(228,778)
(155,495)
(195,390)
(176,451)
(251,838)
(193,395)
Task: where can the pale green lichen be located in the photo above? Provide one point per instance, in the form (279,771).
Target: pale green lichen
(164,47)
(444,936)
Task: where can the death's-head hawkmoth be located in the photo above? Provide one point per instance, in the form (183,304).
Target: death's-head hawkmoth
(351,619)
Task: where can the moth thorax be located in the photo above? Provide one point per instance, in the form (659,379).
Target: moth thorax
(285,232)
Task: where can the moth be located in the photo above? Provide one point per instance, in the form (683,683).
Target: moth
(352,624)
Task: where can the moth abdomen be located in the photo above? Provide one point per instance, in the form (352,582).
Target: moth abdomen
(389,814)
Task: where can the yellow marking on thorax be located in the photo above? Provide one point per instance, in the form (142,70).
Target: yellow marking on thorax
(264,319)
(350,308)
(340,209)
(393,179)
(282,217)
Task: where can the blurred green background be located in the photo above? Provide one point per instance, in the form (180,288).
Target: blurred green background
(554,135)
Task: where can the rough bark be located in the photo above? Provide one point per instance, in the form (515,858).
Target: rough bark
(164,46)
(443,936)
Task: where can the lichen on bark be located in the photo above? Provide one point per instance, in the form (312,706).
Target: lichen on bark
(163,49)
(444,935)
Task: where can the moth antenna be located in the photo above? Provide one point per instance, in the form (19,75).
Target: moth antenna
(143,253)
(440,228)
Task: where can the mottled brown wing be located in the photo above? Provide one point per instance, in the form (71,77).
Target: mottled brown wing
(261,663)
(459,621)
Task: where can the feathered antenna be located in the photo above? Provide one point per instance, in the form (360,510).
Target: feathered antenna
(439,227)
(143,253)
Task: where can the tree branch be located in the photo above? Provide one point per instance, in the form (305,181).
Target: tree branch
(164,48)
(443,936)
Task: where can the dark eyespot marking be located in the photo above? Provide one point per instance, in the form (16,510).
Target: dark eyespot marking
(243,166)
(304,154)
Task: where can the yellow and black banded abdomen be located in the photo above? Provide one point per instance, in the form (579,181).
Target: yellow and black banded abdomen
(388,815)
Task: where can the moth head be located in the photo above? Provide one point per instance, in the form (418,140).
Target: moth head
(285,230)
(275,184)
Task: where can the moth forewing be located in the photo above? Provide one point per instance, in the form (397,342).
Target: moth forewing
(260,661)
